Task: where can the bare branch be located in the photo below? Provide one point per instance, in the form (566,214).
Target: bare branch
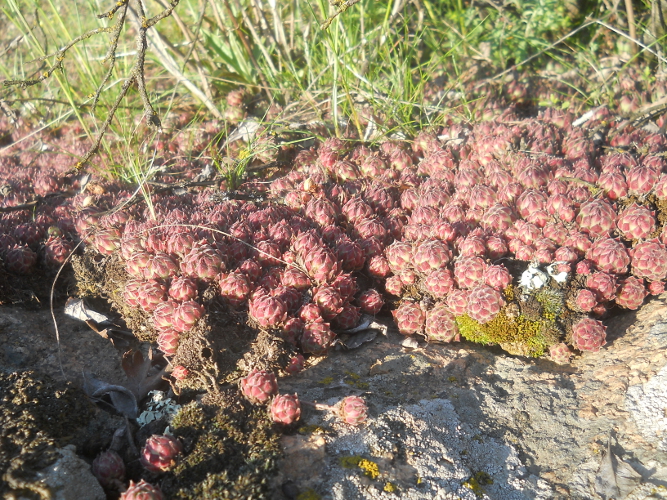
(136,75)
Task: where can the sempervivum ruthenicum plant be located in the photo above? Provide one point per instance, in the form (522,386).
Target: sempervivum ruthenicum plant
(56,251)
(285,409)
(151,294)
(160,266)
(631,293)
(186,315)
(160,453)
(497,277)
(469,271)
(649,260)
(609,255)
(259,386)
(317,338)
(588,335)
(560,353)
(353,410)
(438,283)
(484,303)
(409,318)
(636,222)
(183,288)
(203,262)
(20,259)
(329,301)
(235,288)
(142,491)
(109,469)
(440,325)
(586,299)
(107,241)
(268,311)
(597,217)
(430,255)
(370,301)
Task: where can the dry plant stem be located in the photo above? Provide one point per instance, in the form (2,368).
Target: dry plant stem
(629,10)
(255,35)
(192,39)
(643,46)
(318,406)
(111,53)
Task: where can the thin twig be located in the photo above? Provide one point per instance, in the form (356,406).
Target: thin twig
(170,65)
(342,7)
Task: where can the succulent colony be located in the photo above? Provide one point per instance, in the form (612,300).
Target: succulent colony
(518,231)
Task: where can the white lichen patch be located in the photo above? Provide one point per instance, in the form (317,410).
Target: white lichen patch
(158,407)
(557,277)
(533,278)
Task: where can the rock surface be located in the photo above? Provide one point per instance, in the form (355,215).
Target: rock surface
(461,421)
(70,478)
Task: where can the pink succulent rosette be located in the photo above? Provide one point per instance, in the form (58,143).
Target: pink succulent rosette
(160,453)
(353,410)
(259,386)
(285,409)
(589,335)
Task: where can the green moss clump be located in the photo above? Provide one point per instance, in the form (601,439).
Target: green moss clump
(231,450)
(520,334)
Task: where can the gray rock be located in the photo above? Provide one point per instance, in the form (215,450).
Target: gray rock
(70,478)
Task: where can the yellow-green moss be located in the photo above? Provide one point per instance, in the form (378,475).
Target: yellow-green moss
(350,462)
(551,301)
(312,429)
(505,330)
(326,380)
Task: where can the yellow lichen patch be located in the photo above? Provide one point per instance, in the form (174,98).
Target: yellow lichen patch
(326,381)
(312,429)
(309,494)
(369,468)
(355,380)
(477,481)
(390,488)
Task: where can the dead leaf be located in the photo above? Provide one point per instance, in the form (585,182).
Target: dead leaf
(122,399)
(136,367)
(616,479)
(358,339)
(77,309)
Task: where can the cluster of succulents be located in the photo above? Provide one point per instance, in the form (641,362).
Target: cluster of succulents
(260,387)
(433,231)
(159,454)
